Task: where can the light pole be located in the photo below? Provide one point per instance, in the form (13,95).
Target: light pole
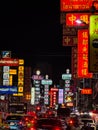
(38,72)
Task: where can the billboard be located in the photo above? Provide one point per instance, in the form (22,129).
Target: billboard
(9,62)
(8,89)
(72,19)
(6,54)
(76,5)
(93,46)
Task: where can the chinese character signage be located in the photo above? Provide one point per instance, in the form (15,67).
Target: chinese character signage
(73,18)
(69,31)
(83,54)
(86,91)
(72,5)
(69,40)
(74,62)
(93,46)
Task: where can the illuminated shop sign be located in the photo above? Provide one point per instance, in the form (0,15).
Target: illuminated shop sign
(93,48)
(72,5)
(77,19)
(66,76)
(69,31)
(32,95)
(46,82)
(9,62)
(69,40)
(6,54)
(8,89)
(37,77)
(13,71)
(86,91)
(46,94)
(83,54)
(53,96)
(74,62)
(60,96)
(20,80)
(69,104)
(21,62)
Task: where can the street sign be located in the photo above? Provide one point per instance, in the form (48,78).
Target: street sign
(46,82)
(66,76)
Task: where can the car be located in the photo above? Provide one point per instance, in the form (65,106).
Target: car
(50,124)
(29,121)
(73,121)
(89,122)
(15,122)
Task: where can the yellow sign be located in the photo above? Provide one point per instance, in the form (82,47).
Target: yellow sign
(21,68)
(20,89)
(93,48)
(18,94)
(21,61)
(13,71)
(10,80)
(20,84)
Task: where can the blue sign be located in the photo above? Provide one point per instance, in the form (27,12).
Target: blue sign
(8,89)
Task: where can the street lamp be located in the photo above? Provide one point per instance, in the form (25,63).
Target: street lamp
(38,72)
(79,21)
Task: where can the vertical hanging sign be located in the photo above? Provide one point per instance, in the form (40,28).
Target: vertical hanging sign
(83,54)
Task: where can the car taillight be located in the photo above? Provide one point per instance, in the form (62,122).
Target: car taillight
(71,122)
(32,128)
(32,121)
(26,119)
(20,123)
(57,128)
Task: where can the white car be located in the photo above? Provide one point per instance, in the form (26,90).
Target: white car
(89,122)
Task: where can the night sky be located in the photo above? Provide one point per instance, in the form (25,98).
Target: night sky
(32,31)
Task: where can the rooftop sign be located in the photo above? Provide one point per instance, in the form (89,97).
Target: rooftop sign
(72,5)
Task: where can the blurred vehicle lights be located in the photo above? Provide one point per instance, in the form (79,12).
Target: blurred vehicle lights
(57,128)
(32,128)
(91,113)
(71,121)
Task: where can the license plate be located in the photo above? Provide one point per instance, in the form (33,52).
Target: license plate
(11,123)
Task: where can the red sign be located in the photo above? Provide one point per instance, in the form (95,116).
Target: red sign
(86,91)
(83,54)
(77,19)
(69,40)
(9,62)
(54,89)
(72,5)
(74,62)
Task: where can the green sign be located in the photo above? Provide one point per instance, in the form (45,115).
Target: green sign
(66,76)
(46,82)
(93,45)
